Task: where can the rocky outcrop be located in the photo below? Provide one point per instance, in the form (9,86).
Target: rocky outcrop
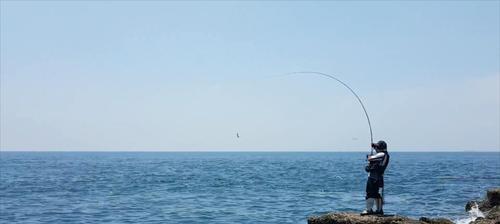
(490,206)
(353,218)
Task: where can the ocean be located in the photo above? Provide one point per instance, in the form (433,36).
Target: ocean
(231,187)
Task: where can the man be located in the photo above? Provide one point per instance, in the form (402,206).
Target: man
(375,184)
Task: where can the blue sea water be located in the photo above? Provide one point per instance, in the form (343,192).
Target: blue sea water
(230,187)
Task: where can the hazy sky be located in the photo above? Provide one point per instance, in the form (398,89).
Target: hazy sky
(126,75)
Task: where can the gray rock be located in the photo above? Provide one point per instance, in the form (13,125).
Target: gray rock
(353,218)
(435,220)
(490,206)
(492,199)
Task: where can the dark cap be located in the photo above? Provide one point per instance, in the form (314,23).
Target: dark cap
(380,145)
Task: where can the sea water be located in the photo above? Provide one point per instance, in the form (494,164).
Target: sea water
(231,187)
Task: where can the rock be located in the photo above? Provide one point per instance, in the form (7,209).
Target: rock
(435,220)
(353,218)
(494,213)
(470,205)
(490,206)
(492,199)
(486,221)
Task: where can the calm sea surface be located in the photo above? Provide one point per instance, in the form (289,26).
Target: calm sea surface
(227,187)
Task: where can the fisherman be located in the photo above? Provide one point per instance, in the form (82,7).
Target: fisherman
(375,184)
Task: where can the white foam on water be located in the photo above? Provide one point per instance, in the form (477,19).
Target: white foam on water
(474,213)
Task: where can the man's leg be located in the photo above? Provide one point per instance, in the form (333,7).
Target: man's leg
(371,196)
(380,205)
(380,197)
(369,204)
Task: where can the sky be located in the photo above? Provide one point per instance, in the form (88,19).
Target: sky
(183,76)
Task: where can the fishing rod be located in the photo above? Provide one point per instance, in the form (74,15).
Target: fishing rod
(350,89)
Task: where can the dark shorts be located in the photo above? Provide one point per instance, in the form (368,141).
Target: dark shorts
(373,187)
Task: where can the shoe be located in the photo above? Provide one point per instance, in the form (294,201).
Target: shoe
(367,212)
(379,212)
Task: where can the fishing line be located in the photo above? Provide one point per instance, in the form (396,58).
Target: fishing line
(348,87)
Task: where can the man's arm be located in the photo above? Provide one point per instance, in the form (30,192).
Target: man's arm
(377,156)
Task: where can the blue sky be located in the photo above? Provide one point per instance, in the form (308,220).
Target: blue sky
(133,75)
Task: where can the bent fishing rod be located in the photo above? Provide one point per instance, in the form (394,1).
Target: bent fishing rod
(350,89)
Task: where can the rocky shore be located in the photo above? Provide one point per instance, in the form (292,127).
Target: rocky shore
(490,207)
